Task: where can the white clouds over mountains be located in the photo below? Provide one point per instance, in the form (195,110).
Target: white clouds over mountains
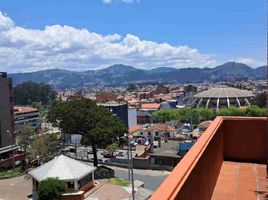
(66,47)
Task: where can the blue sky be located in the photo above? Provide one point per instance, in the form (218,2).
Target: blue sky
(141,33)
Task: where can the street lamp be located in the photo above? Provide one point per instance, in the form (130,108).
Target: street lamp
(130,165)
(128,148)
(13,161)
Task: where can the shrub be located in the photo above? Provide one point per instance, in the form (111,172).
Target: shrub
(51,188)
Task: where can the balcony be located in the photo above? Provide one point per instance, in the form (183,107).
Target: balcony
(227,162)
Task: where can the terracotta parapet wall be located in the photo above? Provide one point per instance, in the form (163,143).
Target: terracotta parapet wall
(241,139)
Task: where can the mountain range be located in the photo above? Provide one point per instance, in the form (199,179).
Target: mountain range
(122,75)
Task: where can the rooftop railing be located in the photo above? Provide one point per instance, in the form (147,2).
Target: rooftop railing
(239,139)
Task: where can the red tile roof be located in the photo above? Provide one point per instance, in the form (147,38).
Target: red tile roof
(24,109)
(150,106)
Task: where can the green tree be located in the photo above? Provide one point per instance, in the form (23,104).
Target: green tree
(174,114)
(28,92)
(202,114)
(232,112)
(251,111)
(46,146)
(112,148)
(255,111)
(95,123)
(260,100)
(25,137)
(51,188)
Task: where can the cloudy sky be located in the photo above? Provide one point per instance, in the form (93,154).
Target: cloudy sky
(92,34)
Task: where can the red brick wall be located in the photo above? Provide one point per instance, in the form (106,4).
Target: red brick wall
(245,140)
(87,187)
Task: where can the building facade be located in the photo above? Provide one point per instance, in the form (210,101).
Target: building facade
(6,110)
(117,109)
(25,115)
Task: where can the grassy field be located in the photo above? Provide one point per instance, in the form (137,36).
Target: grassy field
(118,181)
(10,173)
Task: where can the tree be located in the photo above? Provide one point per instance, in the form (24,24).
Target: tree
(25,137)
(251,111)
(28,92)
(41,108)
(260,100)
(112,148)
(202,114)
(232,112)
(46,146)
(95,123)
(255,111)
(51,188)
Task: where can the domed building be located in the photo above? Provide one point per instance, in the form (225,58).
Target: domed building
(222,97)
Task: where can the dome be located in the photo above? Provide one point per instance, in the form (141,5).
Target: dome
(222,97)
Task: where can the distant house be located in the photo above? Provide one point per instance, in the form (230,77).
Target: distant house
(150,106)
(78,176)
(105,96)
(204,125)
(161,89)
(141,134)
(144,117)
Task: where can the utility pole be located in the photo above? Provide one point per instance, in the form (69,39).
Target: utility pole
(191,112)
(128,160)
(130,165)
(12,149)
(132,176)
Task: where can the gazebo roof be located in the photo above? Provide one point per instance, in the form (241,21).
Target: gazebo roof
(62,167)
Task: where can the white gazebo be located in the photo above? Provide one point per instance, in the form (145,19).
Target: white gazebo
(79,176)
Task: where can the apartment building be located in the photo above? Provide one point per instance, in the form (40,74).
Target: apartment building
(25,115)
(6,110)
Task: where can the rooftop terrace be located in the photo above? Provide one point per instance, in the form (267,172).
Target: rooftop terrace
(227,162)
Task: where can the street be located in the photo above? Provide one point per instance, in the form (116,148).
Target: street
(151,178)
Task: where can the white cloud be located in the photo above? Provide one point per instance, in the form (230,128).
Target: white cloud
(249,61)
(125,1)
(66,47)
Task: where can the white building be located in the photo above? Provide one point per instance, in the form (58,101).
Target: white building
(78,175)
(143,133)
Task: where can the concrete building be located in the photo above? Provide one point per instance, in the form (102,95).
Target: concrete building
(132,117)
(6,110)
(25,115)
(117,109)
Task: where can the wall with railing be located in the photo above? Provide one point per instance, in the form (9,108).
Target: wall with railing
(227,138)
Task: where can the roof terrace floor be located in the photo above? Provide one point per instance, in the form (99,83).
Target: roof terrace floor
(241,181)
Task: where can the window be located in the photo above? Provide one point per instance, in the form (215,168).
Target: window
(70,185)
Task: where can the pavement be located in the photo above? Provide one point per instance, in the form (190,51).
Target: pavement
(151,178)
(17,188)
(114,192)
